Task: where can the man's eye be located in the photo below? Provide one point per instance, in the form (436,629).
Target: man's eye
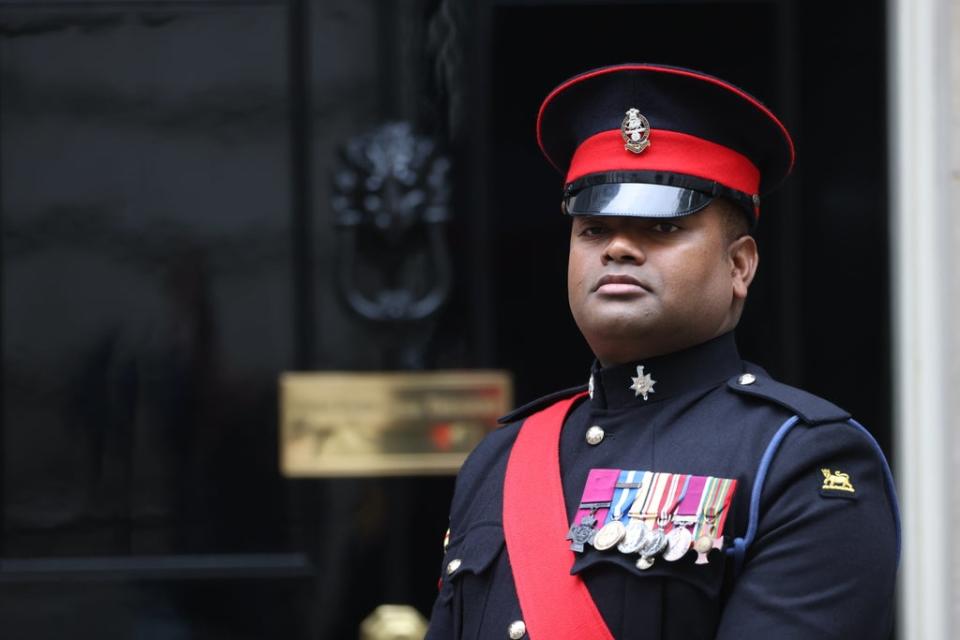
(665,227)
(592,230)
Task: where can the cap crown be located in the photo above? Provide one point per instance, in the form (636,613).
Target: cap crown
(700,107)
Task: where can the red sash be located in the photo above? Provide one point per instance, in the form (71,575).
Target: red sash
(555,604)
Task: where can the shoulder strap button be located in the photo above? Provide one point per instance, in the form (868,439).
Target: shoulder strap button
(453,565)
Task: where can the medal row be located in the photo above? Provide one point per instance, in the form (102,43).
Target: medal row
(667,514)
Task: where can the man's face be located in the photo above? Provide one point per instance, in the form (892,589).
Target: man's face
(640,287)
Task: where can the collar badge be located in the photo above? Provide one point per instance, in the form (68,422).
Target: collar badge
(590,386)
(643,383)
(635,130)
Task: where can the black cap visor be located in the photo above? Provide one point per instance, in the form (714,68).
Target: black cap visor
(637,199)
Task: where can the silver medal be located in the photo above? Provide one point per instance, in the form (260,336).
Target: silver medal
(633,537)
(653,544)
(678,543)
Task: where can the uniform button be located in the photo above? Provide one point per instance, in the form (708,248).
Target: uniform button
(453,565)
(517,630)
(595,435)
(747,378)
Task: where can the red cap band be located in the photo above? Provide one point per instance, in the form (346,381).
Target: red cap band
(669,151)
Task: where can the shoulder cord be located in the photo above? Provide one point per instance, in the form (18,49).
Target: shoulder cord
(740,545)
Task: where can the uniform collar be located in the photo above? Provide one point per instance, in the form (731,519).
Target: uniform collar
(699,367)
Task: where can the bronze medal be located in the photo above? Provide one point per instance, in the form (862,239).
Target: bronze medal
(609,535)
(702,546)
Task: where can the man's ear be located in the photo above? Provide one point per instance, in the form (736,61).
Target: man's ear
(744,259)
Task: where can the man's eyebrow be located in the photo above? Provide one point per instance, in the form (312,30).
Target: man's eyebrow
(588,218)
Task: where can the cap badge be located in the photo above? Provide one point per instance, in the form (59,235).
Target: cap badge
(643,383)
(635,130)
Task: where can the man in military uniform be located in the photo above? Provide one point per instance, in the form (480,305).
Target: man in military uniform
(681,493)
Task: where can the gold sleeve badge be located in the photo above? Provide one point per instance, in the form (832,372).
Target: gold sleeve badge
(836,481)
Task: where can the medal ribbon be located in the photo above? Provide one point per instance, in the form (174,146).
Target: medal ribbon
(670,499)
(709,495)
(690,503)
(636,509)
(598,490)
(724,497)
(625,488)
(713,511)
(539,555)
(655,498)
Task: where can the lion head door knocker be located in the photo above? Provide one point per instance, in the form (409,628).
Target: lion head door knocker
(391,199)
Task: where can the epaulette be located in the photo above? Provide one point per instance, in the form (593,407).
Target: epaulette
(540,403)
(811,409)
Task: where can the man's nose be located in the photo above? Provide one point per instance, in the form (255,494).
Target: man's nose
(622,248)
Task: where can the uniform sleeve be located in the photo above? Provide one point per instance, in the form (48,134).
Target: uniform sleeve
(441,622)
(477,498)
(823,563)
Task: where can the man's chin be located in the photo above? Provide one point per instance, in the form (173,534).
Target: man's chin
(621,329)
(618,318)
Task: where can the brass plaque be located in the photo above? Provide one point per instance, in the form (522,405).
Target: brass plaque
(367,424)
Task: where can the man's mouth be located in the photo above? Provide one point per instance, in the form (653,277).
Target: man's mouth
(620,284)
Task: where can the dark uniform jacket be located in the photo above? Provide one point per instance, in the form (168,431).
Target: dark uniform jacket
(822,563)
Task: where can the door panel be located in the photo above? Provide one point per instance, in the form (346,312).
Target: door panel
(146,310)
